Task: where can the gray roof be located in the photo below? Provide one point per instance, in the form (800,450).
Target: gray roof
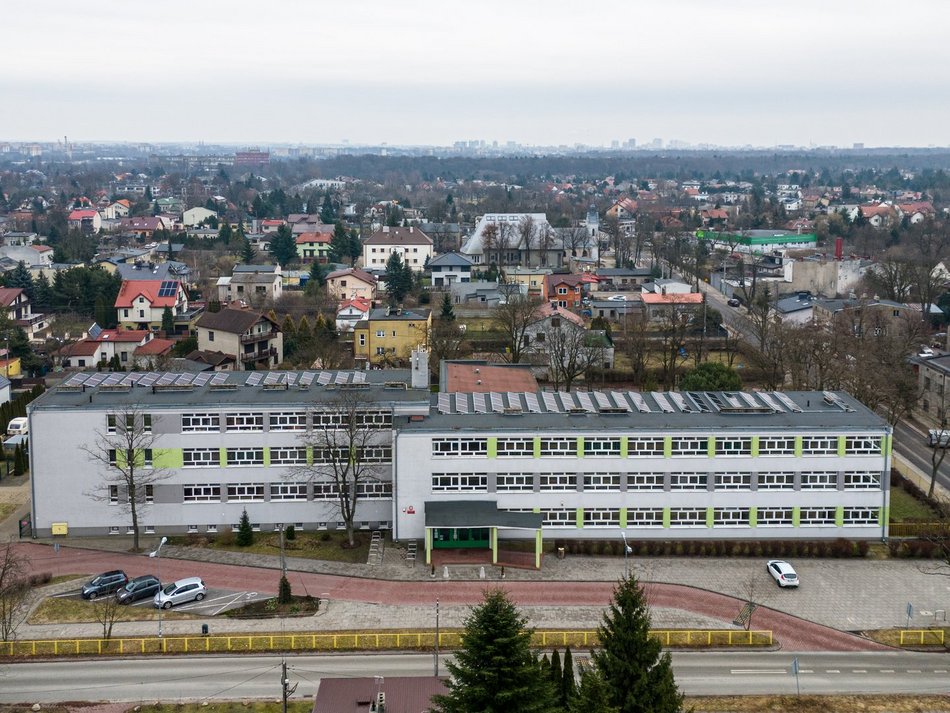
(623,271)
(478,513)
(153,271)
(235,321)
(451,259)
(794,303)
(254,268)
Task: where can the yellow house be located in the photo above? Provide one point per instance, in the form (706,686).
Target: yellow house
(10,368)
(389,334)
(530,277)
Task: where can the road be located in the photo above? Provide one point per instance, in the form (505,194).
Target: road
(911,444)
(213,677)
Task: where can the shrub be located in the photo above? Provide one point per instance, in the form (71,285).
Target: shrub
(325,536)
(284,595)
(291,533)
(225,537)
(862,548)
(41,578)
(245,533)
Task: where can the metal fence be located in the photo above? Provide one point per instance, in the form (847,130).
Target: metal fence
(344,641)
(921,637)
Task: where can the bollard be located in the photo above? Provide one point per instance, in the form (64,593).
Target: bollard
(204,629)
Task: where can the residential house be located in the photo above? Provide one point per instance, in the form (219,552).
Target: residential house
(388,335)
(16,305)
(314,247)
(270,225)
(351,282)
(350,312)
(625,209)
(256,287)
(138,348)
(933,380)
(616,310)
(532,278)
(117,209)
(144,227)
(252,338)
(169,206)
(566,290)
(445,236)
(18,237)
(204,360)
(658,306)
(794,309)
(621,279)
(89,222)
(484,293)
(140,304)
(33,256)
(522,239)
(450,267)
(413,246)
(550,317)
(168,270)
(307,223)
(916,211)
(667,287)
(195,216)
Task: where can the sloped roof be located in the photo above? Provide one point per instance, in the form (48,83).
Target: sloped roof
(155,346)
(353,272)
(9,294)
(303,238)
(451,260)
(230,319)
(398,236)
(149,289)
(547,309)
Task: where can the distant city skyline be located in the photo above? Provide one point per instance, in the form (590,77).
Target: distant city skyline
(732,73)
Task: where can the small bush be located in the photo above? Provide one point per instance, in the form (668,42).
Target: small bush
(862,548)
(284,595)
(41,578)
(325,536)
(225,537)
(291,533)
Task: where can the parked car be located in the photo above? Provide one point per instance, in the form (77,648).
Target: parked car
(783,573)
(925,352)
(18,426)
(938,437)
(139,588)
(105,583)
(190,589)
(733,302)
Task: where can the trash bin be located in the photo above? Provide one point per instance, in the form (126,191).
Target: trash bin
(204,629)
(560,553)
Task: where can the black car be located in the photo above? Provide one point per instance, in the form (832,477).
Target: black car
(105,583)
(733,302)
(142,587)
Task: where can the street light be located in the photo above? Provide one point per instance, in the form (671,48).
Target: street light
(157,554)
(626,551)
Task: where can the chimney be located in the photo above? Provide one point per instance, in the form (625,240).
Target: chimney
(420,368)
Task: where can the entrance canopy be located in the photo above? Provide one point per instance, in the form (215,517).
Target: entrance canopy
(479,513)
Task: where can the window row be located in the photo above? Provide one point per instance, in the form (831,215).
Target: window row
(208,422)
(211,457)
(255,492)
(614,482)
(699,517)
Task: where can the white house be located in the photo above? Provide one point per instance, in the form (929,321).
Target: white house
(450,267)
(194,216)
(414,247)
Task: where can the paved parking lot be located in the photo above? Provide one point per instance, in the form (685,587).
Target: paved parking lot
(216,601)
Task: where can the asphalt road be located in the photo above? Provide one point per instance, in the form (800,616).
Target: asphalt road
(911,444)
(698,673)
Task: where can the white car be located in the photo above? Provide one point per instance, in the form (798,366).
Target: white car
(783,573)
(617,298)
(925,352)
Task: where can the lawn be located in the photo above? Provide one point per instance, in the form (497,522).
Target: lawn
(906,508)
(58,610)
(317,545)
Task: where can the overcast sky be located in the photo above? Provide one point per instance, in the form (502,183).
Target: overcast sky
(730,72)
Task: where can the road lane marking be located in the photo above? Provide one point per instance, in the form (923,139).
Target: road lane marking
(832,670)
(914,670)
(859,670)
(886,670)
(747,671)
(940,670)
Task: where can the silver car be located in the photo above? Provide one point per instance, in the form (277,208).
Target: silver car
(191,589)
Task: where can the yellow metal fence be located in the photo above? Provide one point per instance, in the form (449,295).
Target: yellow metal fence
(342,641)
(921,637)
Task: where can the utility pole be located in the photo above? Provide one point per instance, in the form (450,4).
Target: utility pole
(286,689)
(283,560)
(436,639)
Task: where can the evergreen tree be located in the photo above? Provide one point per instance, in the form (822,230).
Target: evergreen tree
(339,244)
(42,294)
(318,275)
(397,286)
(225,233)
(327,214)
(448,311)
(168,321)
(356,247)
(245,533)
(593,696)
(638,675)
(554,671)
(496,671)
(18,468)
(20,277)
(283,246)
(568,685)
(284,594)
(248,253)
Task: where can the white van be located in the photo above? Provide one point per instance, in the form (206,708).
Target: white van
(18,426)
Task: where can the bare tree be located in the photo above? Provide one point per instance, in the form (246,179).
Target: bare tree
(571,351)
(753,591)
(14,589)
(938,450)
(489,242)
(349,450)
(575,240)
(527,236)
(546,238)
(106,612)
(674,325)
(446,341)
(124,450)
(636,345)
(512,320)
(504,242)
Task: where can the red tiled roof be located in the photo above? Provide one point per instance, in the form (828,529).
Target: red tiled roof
(272,222)
(131,289)
(550,310)
(155,346)
(360,303)
(324,238)
(690,298)
(84,348)
(81,214)
(485,378)
(122,335)
(9,294)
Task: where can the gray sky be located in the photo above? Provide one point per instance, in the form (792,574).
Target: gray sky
(730,72)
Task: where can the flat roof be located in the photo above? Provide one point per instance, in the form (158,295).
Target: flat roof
(478,513)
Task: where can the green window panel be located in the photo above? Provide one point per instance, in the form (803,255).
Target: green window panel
(579,517)
(224,456)
(624,447)
(755,446)
(666,517)
(710,517)
(753,517)
(882,515)
(537,446)
(711,446)
(580,446)
(839,516)
(168,457)
(842,446)
(310,458)
(798,446)
(796,516)
(623,518)
(668,446)
(492,447)
(266,457)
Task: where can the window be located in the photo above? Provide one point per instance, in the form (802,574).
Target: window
(609,482)
(688,517)
(376,454)
(287,421)
(324,491)
(211,529)
(862,445)
(113,494)
(774,517)
(689,481)
(114,530)
(459,447)
(245,492)
(860,516)
(820,446)
(645,517)
(734,446)
(374,419)
(645,481)
(819,481)
(200,422)
(328,419)
(192,529)
(601,517)
(558,482)
(557,446)
(375,489)
(560,517)
(731,517)
(862,480)
(147,422)
(733,481)
(210,336)
(150,493)
(514,483)
(817,516)
(777,446)
(201,493)
(690,446)
(244,422)
(245,456)
(645,447)
(459,482)
(288,491)
(201,457)
(776,481)
(515,447)
(110,423)
(380,332)
(288,456)
(601,447)
(380,351)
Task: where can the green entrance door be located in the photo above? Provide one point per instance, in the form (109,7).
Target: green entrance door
(459,537)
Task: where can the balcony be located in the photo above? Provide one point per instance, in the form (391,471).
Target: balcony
(259,355)
(258,337)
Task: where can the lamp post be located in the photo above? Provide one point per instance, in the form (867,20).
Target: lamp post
(626,551)
(157,554)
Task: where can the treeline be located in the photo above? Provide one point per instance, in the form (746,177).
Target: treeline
(89,291)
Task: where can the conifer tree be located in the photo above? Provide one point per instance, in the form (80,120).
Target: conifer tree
(568,685)
(555,670)
(496,671)
(245,533)
(638,675)
(593,696)
(448,311)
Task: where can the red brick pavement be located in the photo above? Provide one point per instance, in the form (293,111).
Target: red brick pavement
(790,632)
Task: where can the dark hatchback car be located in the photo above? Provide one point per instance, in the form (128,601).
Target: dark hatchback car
(142,587)
(105,583)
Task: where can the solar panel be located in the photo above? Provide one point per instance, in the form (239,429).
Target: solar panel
(272,378)
(567,401)
(359,377)
(307,378)
(113,379)
(445,403)
(586,402)
(461,403)
(603,401)
(772,403)
(639,402)
(679,401)
(219,378)
(95,379)
(184,379)
(497,403)
(514,401)
(168,288)
(342,377)
(76,380)
(619,400)
(661,402)
(698,402)
(550,403)
(479,402)
(254,379)
(532,401)
(290,377)
(325,378)
(165,379)
(202,378)
(749,399)
(149,379)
